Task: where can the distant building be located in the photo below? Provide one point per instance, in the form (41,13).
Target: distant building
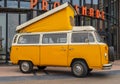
(112,22)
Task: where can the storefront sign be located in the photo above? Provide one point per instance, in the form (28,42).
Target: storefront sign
(90,12)
(80,10)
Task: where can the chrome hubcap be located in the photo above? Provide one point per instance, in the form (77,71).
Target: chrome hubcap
(25,66)
(78,69)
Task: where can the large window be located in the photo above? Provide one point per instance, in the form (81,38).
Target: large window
(24,4)
(54,38)
(29,39)
(13,22)
(12,3)
(23,18)
(3,34)
(76,2)
(2,3)
(65,1)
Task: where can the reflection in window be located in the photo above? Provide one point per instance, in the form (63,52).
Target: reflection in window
(79,37)
(2,3)
(12,3)
(76,2)
(23,18)
(13,21)
(54,38)
(3,34)
(29,39)
(89,1)
(24,4)
(55,0)
(65,1)
(95,1)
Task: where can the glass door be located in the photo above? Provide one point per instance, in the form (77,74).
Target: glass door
(2,33)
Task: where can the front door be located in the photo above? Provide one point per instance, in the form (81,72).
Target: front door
(54,49)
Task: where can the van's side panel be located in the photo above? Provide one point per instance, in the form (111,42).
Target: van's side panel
(25,52)
(89,52)
(54,55)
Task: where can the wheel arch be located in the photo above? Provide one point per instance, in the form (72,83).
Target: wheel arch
(79,59)
(24,60)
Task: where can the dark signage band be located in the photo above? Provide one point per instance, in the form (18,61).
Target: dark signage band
(80,10)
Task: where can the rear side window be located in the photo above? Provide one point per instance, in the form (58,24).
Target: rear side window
(82,37)
(29,39)
(54,38)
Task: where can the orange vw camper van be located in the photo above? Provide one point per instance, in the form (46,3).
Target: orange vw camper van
(52,40)
(81,49)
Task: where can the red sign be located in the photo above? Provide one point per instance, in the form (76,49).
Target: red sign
(90,12)
(84,10)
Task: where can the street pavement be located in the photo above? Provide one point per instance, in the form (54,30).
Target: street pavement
(10,74)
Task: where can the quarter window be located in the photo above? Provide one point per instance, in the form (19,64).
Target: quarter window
(29,39)
(54,38)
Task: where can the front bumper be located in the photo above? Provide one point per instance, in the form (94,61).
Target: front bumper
(107,66)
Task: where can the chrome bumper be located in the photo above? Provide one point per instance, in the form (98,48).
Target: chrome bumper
(107,66)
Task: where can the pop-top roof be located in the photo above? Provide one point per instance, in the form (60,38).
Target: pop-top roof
(50,12)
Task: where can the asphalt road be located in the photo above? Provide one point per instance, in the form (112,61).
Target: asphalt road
(57,75)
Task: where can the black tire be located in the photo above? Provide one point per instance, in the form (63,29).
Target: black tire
(111,53)
(41,67)
(26,66)
(79,69)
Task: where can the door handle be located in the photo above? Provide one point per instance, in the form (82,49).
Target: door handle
(70,48)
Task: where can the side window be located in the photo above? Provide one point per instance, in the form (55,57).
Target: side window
(79,37)
(29,39)
(54,38)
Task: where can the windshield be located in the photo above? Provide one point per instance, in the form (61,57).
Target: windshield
(99,39)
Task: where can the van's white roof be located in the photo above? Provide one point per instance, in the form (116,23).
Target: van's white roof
(75,29)
(50,12)
(83,28)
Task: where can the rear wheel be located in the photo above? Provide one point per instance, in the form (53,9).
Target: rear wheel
(79,69)
(26,66)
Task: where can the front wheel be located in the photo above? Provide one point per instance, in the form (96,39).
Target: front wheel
(26,66)
(79,69)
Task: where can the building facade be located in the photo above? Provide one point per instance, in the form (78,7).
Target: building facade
(15,12)
(112,22)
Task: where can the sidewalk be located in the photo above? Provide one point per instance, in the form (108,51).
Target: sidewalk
(116,65)
(9,70)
